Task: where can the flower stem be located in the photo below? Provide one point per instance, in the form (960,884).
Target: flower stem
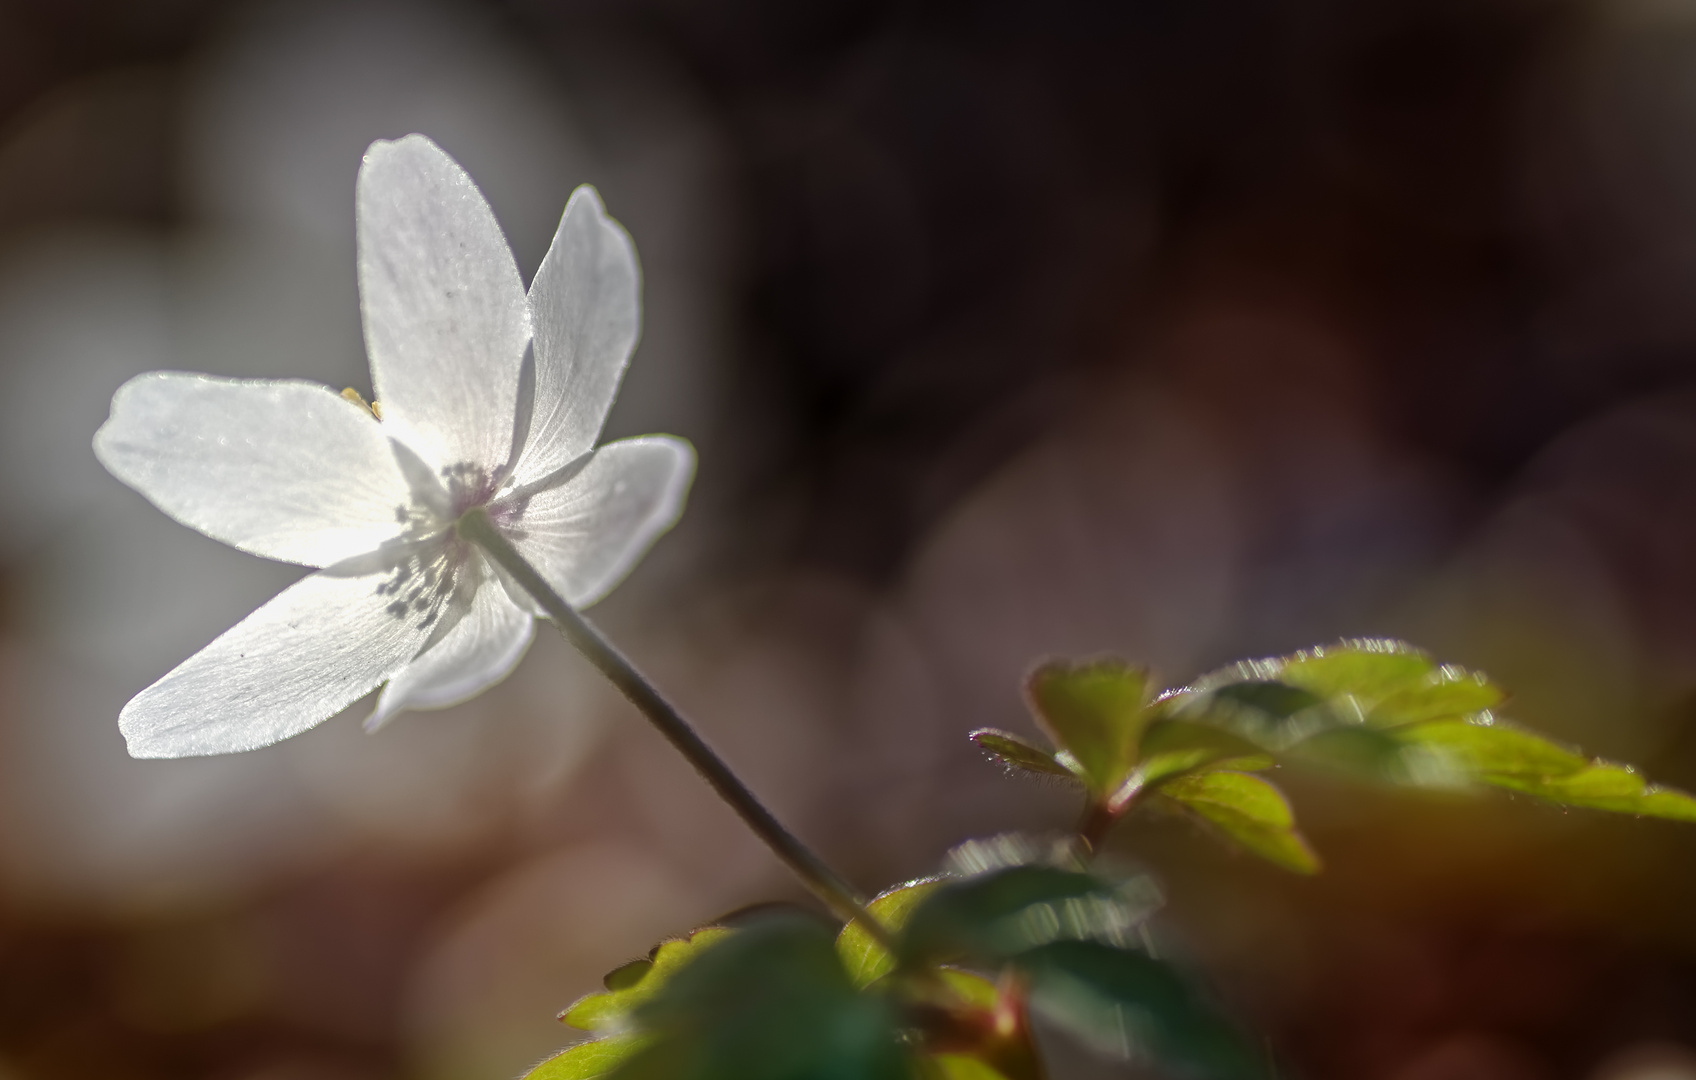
(825,883)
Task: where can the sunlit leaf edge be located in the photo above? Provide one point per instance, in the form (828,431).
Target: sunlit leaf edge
(1018,754)
(588,1060)
(607,1011)
(863,958)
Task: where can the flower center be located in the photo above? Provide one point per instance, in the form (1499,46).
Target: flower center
(468,486)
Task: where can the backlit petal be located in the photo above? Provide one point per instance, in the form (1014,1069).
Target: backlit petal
(446,322)
(586,310)
(586,534)
(288,470)
(309,653)
(480,650)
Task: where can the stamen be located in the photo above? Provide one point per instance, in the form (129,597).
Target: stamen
(369,406)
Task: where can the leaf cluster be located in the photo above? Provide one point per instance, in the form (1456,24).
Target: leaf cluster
(1376,708)
(1126,746)
(973,957)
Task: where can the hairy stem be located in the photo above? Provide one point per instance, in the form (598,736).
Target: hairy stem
(825,883)
(1101,814)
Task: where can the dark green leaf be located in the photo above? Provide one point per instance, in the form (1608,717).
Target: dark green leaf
(633,983)
(865,960)
(770,1002)
(1248,810)
(1128,1004)
(588,1060)
(1272,698)
(989,918)
(1013,752)
(1096,713)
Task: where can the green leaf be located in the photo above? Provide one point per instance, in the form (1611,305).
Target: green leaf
(1007,749)
(1128,1004)
(588,1060)
(632,984)
(1605,786)
(770,1002)
(865,960)
(1275,699)
(1375,754)
(1248,810)
(1171,747)
(1266,715)
(989,918)
(1281,701)
(1514,759)
(1387,683)
(1496,749)
(1096,713)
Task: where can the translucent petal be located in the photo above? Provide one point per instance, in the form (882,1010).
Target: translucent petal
(587,533)
(480,650)
(287,470)
(309,653)
(446,322)
(586,310)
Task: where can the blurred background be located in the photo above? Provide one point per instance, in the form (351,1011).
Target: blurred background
(1178,329)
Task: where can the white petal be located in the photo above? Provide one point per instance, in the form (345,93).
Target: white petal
(586,534)
(286,470)
(586,310)
(446,322)
(319,646)
(480,650)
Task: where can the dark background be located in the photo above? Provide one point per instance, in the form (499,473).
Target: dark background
(1180,330)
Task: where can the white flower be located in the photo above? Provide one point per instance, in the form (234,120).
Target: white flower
(488,398)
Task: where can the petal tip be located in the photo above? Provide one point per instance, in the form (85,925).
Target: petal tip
(145,741)
(588,197)
(413,142)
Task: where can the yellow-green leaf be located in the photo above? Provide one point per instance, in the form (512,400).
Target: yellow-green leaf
(866,960)
(631,985)
(970,987)
(1477,750)
(1508,757)
(1096,713)
(588,1060)
(1605,786)
(1247,809)
(957,1067)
